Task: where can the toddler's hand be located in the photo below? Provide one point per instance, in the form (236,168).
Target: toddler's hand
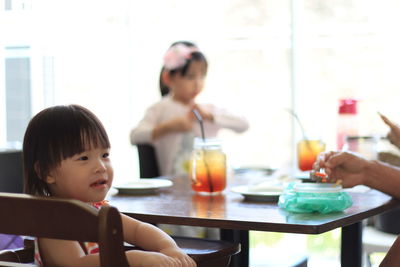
(154,259)
(179,255)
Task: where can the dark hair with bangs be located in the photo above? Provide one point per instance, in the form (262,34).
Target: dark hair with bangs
(196,56)
(54,134)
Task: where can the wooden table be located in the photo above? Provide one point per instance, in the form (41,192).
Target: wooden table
(181,206)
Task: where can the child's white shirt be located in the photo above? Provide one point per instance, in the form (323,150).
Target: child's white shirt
(172,148)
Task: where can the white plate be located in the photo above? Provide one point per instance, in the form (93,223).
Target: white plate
(143,186)
(259,193)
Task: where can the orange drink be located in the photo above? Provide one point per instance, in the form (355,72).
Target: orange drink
(208,168)
(307,152)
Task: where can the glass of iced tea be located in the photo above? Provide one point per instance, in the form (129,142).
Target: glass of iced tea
(208,166)
(307,152)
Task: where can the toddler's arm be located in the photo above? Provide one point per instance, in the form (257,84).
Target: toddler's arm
(55,252)
(65,253)
(150,238)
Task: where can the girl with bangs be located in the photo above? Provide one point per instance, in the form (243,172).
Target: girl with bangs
(66,154)
(169,124)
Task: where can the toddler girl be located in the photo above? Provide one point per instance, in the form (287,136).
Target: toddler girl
(169,125)
(66,154)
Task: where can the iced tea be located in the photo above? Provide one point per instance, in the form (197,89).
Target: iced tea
(208,169)
(307,152)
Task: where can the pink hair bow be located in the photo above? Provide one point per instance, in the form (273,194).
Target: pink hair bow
(177,55)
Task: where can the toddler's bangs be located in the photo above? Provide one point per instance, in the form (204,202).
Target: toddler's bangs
(75,131)
(86,133)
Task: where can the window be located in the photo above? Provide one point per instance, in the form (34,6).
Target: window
(346,49)
(17,94)
(28,87)
(18,97)
(15,5)
(265,57)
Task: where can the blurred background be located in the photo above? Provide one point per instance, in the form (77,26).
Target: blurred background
(265,57)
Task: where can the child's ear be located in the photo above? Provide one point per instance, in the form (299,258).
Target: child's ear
(49,178)
(166,78)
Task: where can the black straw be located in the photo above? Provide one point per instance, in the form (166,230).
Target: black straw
(200,119)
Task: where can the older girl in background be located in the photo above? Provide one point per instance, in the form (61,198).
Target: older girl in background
(170,125)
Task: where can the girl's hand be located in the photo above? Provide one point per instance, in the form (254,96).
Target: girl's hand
(179,255)
(347,167)
(181,124)
(205,115)
(394,133)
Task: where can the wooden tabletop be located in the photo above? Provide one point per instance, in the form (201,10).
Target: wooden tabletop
(181,206)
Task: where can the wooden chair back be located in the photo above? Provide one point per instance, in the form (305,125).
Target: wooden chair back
(74,220)
(28,215)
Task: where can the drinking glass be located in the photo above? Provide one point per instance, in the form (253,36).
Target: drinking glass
(208,168)
(307,152)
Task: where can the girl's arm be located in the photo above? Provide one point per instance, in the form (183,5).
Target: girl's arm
(179,124)
(223,118)
(236,123)
(150,129)
(143,132)
(151,238)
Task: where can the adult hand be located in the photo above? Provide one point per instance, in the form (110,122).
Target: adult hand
(394,133)
(345,166)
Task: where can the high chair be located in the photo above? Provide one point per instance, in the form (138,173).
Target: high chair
(74,220)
